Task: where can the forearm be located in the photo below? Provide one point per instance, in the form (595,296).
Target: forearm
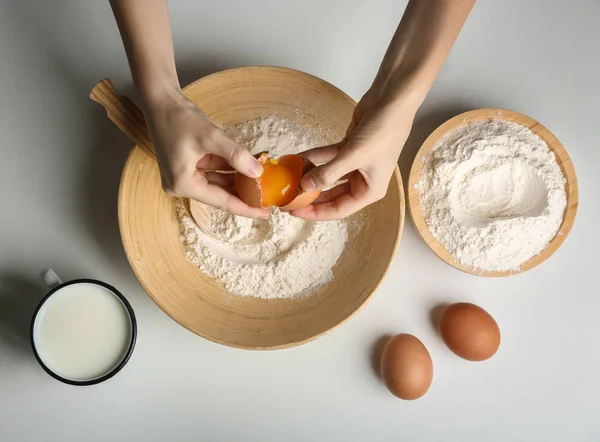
(418,49)
(146,34)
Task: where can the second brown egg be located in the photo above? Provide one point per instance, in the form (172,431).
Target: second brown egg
(469,331)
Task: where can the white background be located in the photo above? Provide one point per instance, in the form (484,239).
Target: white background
(60,161)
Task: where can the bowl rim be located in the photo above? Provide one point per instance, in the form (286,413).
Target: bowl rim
(555,146)
(401,215)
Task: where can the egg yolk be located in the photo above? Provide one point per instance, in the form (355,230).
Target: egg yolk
(278,184)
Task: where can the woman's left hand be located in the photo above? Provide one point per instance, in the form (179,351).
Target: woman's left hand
(366,158)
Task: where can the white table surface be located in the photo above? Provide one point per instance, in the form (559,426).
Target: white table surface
(60,161)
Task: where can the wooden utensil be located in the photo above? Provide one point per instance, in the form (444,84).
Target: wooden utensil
(562,158)
(129,118)
(150,228)
(124,113)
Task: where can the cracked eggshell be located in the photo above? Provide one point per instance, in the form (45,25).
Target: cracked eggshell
(249,189)
(301,166)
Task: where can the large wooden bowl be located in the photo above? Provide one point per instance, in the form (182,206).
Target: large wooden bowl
(150,230)
(562,158)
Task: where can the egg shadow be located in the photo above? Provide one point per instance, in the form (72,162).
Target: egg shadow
(376,351)
(19,297)
(435,314)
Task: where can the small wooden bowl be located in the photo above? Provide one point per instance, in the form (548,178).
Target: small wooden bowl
(485,114)
(150,229)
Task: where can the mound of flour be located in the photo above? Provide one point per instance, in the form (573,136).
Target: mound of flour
(282,257)
(492,194)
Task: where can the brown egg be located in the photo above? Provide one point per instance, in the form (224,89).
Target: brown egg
(469,331)
(406,367)
(279,185)
(247,189)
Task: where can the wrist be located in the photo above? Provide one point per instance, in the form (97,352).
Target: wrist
(158,94)
(406,91)
(393,103)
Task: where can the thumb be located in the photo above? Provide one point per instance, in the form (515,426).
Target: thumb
(240,159)
(330,173)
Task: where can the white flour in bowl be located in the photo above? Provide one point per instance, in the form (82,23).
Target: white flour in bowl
(283,257)
(492,194)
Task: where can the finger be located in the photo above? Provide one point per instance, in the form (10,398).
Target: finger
(321,155)
(221,199)
(332,194)
(339,202)
(322,176)
(339,208)
(212,162)
(237,157)
(224,181)
(201,190)
(327,196)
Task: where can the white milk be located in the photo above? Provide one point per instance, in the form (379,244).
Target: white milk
(82,331)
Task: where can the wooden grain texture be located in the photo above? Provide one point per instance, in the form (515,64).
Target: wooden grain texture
(150,230)
(124,113)
(562,158)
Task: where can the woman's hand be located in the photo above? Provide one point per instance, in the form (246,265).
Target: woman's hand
(366,157)
(189,147)
(383,118)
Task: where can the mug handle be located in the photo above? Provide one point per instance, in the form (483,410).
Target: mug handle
(51,279)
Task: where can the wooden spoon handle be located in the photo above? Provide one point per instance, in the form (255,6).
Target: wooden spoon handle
(126,115)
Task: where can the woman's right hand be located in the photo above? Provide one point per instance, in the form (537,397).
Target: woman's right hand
(189,147)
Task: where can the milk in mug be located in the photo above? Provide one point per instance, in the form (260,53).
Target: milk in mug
(82,331)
